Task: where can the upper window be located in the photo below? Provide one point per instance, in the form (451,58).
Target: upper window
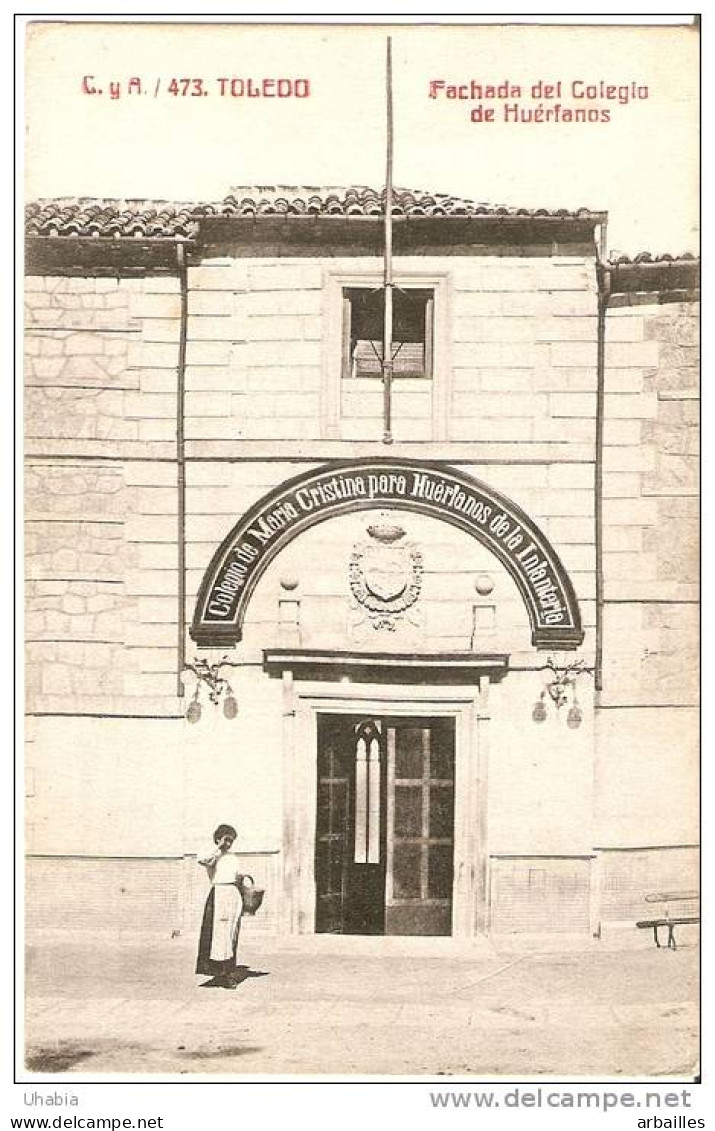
(363,330)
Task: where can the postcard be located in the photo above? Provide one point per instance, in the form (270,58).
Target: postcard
(361,413)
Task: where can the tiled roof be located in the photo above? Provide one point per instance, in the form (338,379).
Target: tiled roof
(147,219)
(668,275)
(142,219)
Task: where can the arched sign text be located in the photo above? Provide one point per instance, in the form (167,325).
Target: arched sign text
(432,489)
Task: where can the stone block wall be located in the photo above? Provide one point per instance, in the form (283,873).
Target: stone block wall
(647,757)
(254,352)
(519,381)
(540,893)
(524,354)
(127,896)
(515,351)
(119,897)
(512,403)
(651,505)
(627,876)
(100,491)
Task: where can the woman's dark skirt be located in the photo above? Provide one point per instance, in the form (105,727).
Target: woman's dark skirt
(204,963)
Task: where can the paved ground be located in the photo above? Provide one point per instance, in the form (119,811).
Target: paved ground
(362,1007)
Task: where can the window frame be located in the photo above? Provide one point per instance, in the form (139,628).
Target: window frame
(335,281)
(428,345)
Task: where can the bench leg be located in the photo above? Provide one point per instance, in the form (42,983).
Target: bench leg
(655,935)
(671,937)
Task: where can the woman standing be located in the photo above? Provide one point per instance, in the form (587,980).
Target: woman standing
(222,914)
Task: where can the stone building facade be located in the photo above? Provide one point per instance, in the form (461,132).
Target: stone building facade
(195,373)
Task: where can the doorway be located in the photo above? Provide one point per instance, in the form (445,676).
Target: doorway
(384,846)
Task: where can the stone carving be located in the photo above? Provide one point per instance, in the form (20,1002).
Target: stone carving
(385,575)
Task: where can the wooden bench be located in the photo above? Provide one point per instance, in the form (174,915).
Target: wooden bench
(677,907)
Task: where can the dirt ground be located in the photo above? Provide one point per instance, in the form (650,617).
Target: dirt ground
(361,1010)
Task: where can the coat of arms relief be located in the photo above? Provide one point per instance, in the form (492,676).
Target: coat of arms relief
(385,575)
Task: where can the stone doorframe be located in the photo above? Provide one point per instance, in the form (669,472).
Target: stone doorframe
(468,706)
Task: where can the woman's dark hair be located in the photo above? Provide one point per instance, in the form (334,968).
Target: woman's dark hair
(224,830)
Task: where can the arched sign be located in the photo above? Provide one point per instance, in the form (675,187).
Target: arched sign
(431,489)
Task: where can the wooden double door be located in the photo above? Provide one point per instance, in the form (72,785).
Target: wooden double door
(384,853)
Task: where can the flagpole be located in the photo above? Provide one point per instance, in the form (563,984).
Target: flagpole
(388,284)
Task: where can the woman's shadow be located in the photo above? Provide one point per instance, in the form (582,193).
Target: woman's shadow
(234,980)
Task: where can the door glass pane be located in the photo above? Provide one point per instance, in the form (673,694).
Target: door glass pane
(406,871)
(329,868)
(335,869)
(333,850)
(408,810)
(322,870)
(408,752)
(332,796)
(332,768)
(373,816)
(440,811)
(361,803)
(338,806)
(439,871)
(442,754)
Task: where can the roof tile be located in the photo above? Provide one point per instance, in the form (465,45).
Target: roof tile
(152,219)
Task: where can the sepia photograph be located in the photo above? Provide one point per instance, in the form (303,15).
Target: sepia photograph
(361,496)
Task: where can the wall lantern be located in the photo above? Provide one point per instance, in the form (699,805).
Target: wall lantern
(561,691)
(209,676)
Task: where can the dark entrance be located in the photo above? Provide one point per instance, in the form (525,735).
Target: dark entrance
(385,825)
